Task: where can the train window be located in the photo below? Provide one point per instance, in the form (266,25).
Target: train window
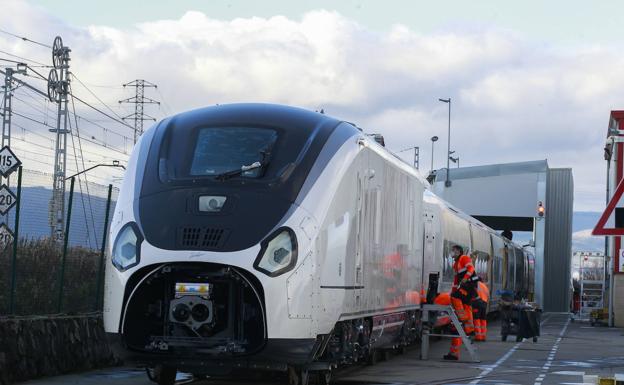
(498,248)
(511,263)
(223,149)
(377,228)
(520,270)
(480,261)
(481,245)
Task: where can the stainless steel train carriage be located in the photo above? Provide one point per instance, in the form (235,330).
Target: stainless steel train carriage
(270,237)
(503,265)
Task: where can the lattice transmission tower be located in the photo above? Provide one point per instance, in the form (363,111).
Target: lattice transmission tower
(139,100)
(58,92)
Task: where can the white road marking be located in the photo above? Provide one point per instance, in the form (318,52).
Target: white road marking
(551,355)
(489,369)
(569,373)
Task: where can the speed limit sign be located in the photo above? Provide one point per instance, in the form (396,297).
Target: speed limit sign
(8,161)
(6,236)
(7,199)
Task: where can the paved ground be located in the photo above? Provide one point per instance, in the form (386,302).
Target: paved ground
(567,353)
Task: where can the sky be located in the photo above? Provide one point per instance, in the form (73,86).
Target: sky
(527,80)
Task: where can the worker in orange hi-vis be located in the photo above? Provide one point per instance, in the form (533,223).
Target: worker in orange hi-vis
(464,287)
(479,310)
(444,321)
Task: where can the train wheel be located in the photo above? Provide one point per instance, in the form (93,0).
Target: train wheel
(162,375)
(151,374)
(373,357)
(324,377)
(298,376)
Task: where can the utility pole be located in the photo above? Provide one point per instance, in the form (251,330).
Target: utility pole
(416,155)
(58,92)
(7,109)
(139,100)
(433,140)
(447,183)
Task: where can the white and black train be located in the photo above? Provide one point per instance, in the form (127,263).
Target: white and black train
(266,236)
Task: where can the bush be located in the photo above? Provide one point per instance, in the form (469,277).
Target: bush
(38,270)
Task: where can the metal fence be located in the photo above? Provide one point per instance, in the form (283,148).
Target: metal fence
(46,276)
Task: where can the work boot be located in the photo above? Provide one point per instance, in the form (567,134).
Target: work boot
(450,357)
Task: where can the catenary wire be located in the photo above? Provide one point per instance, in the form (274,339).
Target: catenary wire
(26,59)
(24,38)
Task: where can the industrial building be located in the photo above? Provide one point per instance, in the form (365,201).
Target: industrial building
(526,197)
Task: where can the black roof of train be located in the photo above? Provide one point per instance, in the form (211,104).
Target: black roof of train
(263,114)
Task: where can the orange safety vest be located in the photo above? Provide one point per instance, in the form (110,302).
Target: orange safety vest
(443,299)
(483,291)
(463,269)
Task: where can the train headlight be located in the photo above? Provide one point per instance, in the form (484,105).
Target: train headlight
(278,253)
(127,247)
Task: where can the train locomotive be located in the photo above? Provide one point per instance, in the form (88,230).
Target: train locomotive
(270,237)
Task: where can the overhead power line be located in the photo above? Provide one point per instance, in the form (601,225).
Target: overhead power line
(25,59)
(102,112)
(23,83)
(86,140)
(94,95)
(23,38)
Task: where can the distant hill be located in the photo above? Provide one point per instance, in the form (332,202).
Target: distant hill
(582,226)
(86,225)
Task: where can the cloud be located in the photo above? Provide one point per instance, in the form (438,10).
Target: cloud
(583,240)
(514,99)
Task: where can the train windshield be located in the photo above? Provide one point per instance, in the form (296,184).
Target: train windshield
(220,150)
(218,153)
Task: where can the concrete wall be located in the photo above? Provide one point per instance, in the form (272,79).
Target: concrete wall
(44,346)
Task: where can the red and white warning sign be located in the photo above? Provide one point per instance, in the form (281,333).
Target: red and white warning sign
(612,220)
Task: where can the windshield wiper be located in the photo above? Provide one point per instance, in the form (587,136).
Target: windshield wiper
(233,173)
(266,155)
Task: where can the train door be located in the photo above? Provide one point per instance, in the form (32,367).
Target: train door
(498,270)
(360,234)
(428,254)
(511,252)
(363,234)
(505,262)
(520,271)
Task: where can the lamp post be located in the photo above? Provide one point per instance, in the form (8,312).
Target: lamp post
(433,140)
(115,164)
(448,155)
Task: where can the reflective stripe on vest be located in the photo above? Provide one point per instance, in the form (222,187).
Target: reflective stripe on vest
(483,291)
